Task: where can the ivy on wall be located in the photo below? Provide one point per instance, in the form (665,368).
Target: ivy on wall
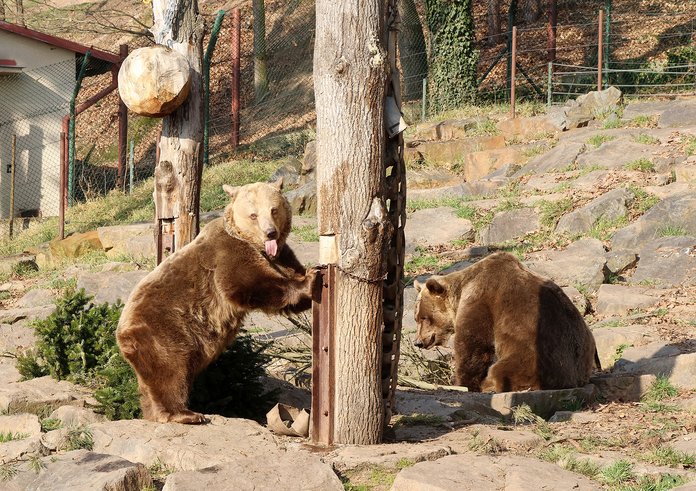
(452,77)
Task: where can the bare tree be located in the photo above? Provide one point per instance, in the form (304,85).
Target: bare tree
(532,10)
(178,172)
(350,73)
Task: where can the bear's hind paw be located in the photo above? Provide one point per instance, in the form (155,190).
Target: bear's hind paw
(188,418)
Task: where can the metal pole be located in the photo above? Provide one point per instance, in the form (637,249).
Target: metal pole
(549,85)
(600,47)
(551,30)
(13,165)
(512,15)
(423,98)
(607,32)
(122,125)
(206,84)
(62,193)
(236,43)
(131,167)
(513,72)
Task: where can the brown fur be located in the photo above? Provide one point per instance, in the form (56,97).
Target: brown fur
(513,329)
(183,314)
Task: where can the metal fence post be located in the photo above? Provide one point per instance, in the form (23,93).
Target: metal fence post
(600,47)
(13,166)
(607,33)
(423,98)
(513,72)
(206,84)
(549,84)
(131,166)
(236,83)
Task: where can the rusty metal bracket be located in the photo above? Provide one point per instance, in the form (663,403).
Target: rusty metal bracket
(324,320)
(164,238)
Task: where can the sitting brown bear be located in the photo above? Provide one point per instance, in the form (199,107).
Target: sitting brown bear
(513,330)
(183,314)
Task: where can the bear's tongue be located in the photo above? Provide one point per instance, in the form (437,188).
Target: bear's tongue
(271,248)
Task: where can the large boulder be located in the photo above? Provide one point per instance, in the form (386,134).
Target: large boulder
(609,206)
(76,245)
(508,225)
(110,286)
(678,115)
(561,157)
(136,240)
(668,261)
(581,263)
(435,226)
(620,299)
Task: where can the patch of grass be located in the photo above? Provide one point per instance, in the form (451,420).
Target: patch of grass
(523,414)
(8,471)
(669,457)
(79,437)
(642,164)
(690,146)
(646,139)
(307,233)
(63,283)
(661,482)
(159,470)
(486,127)
(533,151)
(590,168)
(507,204)
(485,445)
(660,390)
(420,420)
(620,351)
(617,473)
(643,121)
(672,231)
(405,463)
(50,424)
(552,211)
(566,458)
(463,210)
(10,436)
(600,138)
(612,123)
(483,220)
(379,476)
(604,228)
(422,262)
(643,200)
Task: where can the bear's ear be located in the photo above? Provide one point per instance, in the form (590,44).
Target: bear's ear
(417,285)
(436,286)
(231,190)
(279,183)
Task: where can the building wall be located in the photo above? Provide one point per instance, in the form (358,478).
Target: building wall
(32,105)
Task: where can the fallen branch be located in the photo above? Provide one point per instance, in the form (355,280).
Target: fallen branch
(419,384)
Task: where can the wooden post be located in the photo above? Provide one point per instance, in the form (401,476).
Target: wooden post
(551,30)
(513,72)
(351,64)
(13,165)
(122,126)
(600,49)
(236,43)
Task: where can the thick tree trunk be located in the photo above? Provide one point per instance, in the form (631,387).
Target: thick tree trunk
(178,172)
(260,56)
(350,70)
(493,21)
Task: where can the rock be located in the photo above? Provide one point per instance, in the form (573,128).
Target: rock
(446,153)
(508,225)
(510,439)
(587,106)
(578,299)
(11,316)
(9,264)
(16,337)
(609,339)
(76,245)
(16,449)
(309,162)
(136,240)
(43,257)
(288,170)
(38,297)
(386,455)
(532,127)
(685,443)
(677,211)
(429,178)
(649,109)
(304,198)
(543,403)
(453,191)
(23,424)
(76,416)
(678,115)
(420,230)
(37,394)
(622,387)
(481,163)
(573,417)
(669,261)
(81,470)
(449,129)
(620,261)
(620,299)
(562,156)
(484,473)
(609,206)
(582,263)
(186,447)
(591,181)
(686,172)
(668,190)
(660,359)
(290,470)
(616,154)
(110,286)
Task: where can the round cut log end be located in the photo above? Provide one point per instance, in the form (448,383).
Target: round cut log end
(154,81)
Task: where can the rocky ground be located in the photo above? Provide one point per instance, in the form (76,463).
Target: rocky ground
(599,197)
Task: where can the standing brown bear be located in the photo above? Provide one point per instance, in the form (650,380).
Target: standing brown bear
(513,329)
(183,314)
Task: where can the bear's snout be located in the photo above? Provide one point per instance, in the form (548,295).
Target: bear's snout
(271,233)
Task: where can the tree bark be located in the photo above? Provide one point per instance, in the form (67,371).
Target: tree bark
(179,169)
(260,56)
(493,21)
(350,72)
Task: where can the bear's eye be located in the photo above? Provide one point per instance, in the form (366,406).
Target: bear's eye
(274,211)
(253,216)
